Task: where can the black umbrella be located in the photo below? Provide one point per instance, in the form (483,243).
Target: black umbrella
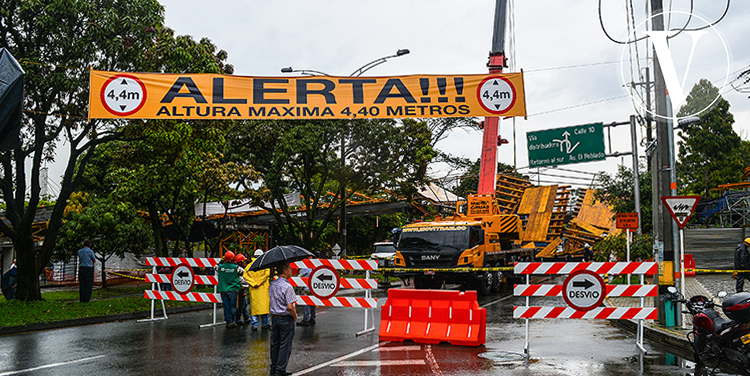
(279,255)
(11,101)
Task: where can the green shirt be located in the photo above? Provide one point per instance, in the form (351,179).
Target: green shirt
(229,277)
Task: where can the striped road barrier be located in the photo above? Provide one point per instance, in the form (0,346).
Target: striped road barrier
(584,290)
(612,290)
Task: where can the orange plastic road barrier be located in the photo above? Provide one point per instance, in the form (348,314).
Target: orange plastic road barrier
(433,316)
(689,264)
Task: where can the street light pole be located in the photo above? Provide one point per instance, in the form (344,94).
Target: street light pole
(358,72)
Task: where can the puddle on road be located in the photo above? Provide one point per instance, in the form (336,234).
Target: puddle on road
(505,358)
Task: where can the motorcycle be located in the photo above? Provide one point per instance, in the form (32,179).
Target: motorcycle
(716,340)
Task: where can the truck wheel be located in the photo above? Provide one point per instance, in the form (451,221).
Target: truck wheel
(484,284)
(498,281)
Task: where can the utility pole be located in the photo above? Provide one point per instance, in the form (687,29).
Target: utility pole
(663,166)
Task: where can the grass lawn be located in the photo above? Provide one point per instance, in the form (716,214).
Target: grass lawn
(64,305)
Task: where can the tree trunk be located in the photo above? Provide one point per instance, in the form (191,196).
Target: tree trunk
(104,272)
(28,278)
(189,248)
(160,242)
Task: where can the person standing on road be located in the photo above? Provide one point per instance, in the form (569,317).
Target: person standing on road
(259,300)
(742,262)
(86,261)
(283,317)
(241,316)
(308,312)
(228,275)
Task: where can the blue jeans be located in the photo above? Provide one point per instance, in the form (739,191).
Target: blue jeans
(241,305)
(308,313)
(229,302)
(254,320)
(282,333)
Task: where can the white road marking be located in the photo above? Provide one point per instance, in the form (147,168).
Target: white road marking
(398,348)
(498,301)
(380,363)
(51,365)
(432,362)
(328,363)
(339,362)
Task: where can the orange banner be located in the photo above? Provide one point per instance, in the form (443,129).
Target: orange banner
(213,96)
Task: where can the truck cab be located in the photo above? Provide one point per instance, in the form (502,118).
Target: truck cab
(443,251)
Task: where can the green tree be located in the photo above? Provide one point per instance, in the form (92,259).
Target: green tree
(305,157)
(710,152)
(469,181)
(640,248)
(172,164)
(56,42)
(617,191)
(115,227)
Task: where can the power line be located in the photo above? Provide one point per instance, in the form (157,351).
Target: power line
(578,105)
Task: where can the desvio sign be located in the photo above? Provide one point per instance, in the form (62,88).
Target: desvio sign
(214,96)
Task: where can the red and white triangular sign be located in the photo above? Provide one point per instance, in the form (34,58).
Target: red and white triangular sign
(681,207)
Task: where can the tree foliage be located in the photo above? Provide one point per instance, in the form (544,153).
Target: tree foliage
(618,192)
(710,152)
(305,157)
(171,165)
(469,180)
(56,42)
(616,245)
(115,227)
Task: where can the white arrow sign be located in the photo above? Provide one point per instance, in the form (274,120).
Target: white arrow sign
(583,290)
(182,279)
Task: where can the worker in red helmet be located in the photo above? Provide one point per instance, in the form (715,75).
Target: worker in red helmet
(229,275)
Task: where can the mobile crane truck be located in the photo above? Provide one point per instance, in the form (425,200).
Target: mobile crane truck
(480,238)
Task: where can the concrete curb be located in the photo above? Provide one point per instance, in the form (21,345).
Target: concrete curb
(673,339)
(97,320)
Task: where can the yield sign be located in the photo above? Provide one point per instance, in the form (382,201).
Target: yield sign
(681,207)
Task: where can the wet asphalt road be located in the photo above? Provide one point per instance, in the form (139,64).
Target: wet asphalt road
(178,346)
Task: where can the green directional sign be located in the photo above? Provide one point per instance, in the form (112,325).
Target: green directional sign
(577,144)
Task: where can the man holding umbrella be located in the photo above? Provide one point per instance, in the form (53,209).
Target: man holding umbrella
(283,317)
(282,297)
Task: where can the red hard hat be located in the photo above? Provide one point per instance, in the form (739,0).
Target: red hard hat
(240,258)
(228,256)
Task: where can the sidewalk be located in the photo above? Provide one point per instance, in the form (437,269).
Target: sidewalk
(653,330)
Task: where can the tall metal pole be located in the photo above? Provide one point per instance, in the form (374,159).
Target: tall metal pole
(636,172)
(662,168)
(662,220)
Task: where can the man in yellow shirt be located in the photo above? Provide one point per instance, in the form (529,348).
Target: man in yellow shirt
(259,299)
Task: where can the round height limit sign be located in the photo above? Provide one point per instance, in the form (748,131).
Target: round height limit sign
(584,290)
(123,94)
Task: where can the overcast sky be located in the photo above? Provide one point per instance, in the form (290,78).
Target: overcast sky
(572,70)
